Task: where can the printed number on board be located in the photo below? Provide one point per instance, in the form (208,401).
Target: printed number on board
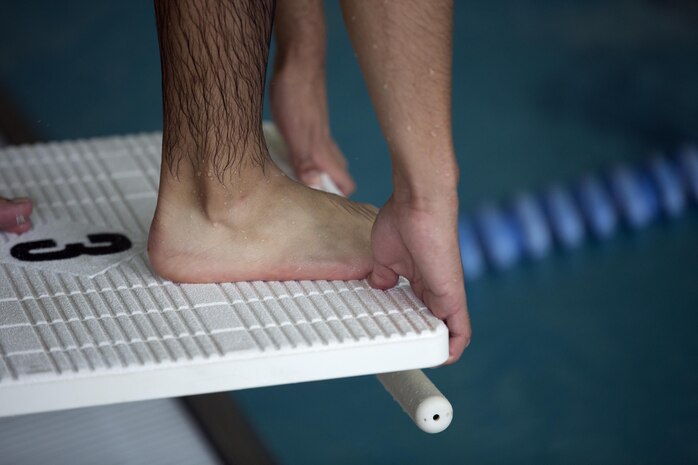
(100,244)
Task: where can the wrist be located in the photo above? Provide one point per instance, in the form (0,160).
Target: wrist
(427,186)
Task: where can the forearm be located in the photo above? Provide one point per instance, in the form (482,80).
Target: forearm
(300,35)
(404,49)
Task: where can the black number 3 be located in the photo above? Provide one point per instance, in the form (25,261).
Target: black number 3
(106,243)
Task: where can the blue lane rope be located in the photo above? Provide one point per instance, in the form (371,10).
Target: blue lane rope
(530,226)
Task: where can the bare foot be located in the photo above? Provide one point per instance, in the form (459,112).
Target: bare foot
(299,108)
(266,228)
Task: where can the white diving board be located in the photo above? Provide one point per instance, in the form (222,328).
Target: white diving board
(84,321)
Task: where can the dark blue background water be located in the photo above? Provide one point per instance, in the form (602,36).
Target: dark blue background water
(586,357)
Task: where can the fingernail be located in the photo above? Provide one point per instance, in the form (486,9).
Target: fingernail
(20,219)
(20,200)
(312,179)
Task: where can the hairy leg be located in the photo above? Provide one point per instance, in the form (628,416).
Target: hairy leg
(213,56)
(298,94)
(225,212)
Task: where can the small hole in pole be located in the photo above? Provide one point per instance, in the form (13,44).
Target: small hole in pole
(436,417)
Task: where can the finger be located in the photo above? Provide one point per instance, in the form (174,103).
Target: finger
(311,178)
(451,307)
(339,172)
(418,287)
(328,160)
(305,168)
(459,332)
(14,213)
(19,229)
(342,179)
(382,277)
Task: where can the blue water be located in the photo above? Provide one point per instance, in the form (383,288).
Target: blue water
(586,357)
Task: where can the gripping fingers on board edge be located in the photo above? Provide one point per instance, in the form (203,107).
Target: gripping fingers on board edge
(415,393)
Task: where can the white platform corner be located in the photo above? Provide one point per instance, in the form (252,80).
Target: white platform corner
(79,329)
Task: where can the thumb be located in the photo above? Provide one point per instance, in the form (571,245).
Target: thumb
(311,178)
(342,179)
(382,277)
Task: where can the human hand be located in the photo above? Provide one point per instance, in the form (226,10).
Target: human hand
(298,95)
(14,215)
(299,109)
(421,244)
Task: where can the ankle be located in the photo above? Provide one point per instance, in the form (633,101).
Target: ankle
(204,196)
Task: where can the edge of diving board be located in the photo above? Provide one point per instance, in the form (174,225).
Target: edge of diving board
(103,329)
(419,398)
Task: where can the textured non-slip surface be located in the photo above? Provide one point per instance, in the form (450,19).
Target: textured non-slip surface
(583,357)
(88,305)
